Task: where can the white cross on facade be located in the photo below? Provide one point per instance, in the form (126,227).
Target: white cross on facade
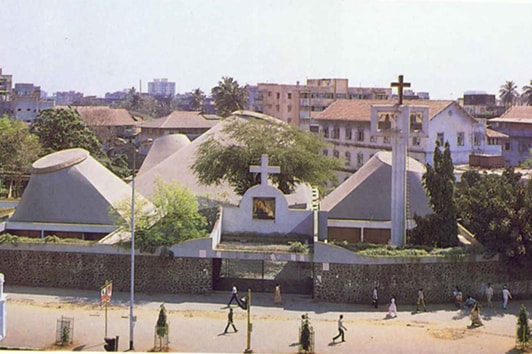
(264,169)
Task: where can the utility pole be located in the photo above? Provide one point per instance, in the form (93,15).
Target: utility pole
(250,328)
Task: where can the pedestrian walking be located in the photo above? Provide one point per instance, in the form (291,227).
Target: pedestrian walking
(392,307)
(457,295)
(230,321)
(341,329)
(489,295)
(277,298)
(375,297)
(420,300)
(505,296)
(234,296)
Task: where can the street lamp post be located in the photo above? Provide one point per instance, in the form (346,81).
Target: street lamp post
(132,299)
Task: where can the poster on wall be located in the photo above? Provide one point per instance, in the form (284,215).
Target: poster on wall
(264,208)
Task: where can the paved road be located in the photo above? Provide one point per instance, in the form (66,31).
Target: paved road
(197,323)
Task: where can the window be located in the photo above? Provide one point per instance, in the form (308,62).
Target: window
(289,95)
(336,133)
(416,141)
(460,139)
(507,146)
(348,157)
(386,140)
(360,135)
(360,158)
(278,95)
(348,133)
(477,139)
(289,108)
(325,152)
(372,139)
(269,93)
(336,153)
(440,138)
(325,132)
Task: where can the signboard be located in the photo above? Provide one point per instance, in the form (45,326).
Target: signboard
(106,291)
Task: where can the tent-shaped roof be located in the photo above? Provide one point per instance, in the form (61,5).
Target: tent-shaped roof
(163,147)
(177,167)
(70,187)
(366,195)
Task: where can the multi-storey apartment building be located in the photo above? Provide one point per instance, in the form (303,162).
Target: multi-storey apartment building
(161,87)
(300,104)
(6,83)
(26,103)
(481,105)
(516,123)
(346,124)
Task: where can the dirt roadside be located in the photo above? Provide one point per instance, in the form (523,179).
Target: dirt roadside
(197,323)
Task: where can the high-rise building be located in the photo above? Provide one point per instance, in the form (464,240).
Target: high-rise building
(161,87)
(299,104)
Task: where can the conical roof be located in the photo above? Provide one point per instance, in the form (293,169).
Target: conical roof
(366,195)
(177,167)
(161,148)
(70,187)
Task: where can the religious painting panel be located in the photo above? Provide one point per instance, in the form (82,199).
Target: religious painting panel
(264,208)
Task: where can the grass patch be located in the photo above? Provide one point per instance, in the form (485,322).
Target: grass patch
(379,250)
(15,240)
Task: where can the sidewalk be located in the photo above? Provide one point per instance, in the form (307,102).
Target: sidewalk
(197,322)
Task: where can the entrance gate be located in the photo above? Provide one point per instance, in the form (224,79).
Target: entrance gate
(263,275)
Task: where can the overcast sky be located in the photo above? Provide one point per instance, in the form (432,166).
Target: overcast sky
(95,47)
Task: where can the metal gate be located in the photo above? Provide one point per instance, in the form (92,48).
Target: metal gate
(263,275)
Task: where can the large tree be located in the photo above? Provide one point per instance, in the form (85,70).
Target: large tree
(18,150)
(175,219)
(297,152)
(439,228)
(60,129)
(527,94)
(229,96)
(508,93)
(498,210)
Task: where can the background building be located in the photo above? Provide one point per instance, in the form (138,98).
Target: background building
(26,103)
(161,87)
(300,104)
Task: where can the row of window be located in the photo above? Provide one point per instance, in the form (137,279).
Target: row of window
(416,141)
(347,156)
(522,147)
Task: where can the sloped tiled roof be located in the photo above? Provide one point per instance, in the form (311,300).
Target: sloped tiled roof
(360,110)
(490,133)
(105,116)
(516,114)
(183,119)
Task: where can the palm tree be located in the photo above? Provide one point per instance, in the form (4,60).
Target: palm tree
(198,99)
(228,96)
(508,93)
(527,94)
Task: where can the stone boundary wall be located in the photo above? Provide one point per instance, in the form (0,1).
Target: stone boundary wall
(353,283)
(153,274)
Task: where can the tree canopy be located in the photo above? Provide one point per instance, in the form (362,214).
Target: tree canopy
(297,152)
(498,210)
(527,94)
(508,93)
(229,96)
(18,150)
(175,219)
(439,228)
(60,129)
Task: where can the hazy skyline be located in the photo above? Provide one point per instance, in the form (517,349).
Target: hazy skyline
(445,48)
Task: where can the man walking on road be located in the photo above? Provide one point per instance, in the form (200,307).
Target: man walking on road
(234,296)
(341,329)
(230,321)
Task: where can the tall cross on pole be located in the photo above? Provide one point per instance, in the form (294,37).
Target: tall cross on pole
(264,169)
(400,85)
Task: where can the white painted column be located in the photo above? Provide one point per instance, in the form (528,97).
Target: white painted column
(399,155)
(2,308)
